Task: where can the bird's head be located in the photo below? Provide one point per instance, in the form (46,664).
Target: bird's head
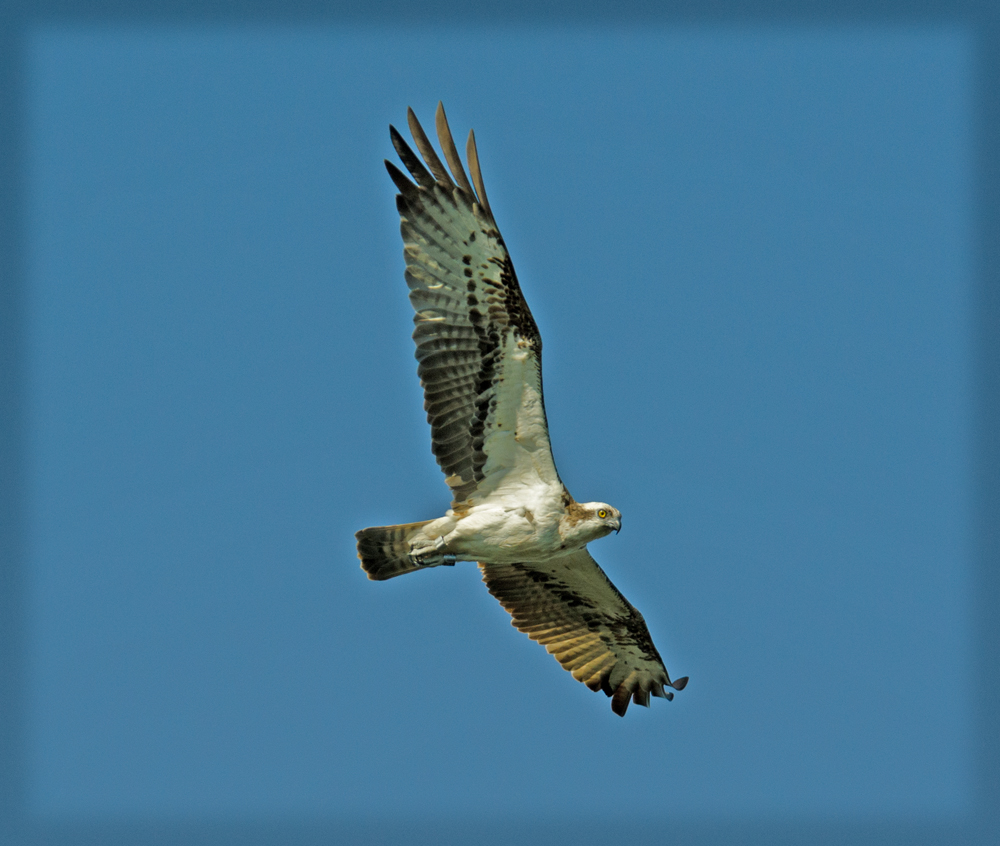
(589,521)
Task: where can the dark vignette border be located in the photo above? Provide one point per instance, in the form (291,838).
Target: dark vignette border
(982,17)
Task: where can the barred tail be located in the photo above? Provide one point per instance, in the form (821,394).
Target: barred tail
(385,550)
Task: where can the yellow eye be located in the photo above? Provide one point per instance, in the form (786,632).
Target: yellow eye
(602,513)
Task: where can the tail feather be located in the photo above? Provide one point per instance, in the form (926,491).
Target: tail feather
(385,550)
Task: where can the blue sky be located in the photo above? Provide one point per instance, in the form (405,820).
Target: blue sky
(748,252)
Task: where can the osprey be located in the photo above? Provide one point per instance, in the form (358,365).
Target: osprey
(480,365)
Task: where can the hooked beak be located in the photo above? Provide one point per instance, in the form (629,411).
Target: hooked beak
(618,525)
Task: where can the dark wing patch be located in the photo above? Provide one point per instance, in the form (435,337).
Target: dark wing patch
(469,312)
(571,607)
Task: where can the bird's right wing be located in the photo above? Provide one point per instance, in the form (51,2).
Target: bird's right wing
(478,347)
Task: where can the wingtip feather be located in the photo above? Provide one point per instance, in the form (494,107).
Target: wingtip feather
(427,149)
(472,155)
(621,699)
(447,143)
(399,178)
(410,159)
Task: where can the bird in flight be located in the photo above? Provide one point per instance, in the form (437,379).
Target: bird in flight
(480,365)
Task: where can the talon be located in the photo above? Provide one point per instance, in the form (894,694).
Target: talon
(423,560)
(432,558)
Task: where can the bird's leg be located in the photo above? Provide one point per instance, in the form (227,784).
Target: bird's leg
(432,556)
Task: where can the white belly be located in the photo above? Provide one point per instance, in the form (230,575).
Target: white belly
(500,534)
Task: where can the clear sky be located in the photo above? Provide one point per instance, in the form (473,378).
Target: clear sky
(748,252)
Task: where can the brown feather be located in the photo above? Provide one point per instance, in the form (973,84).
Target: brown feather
(472,154)
(569,605)
(450,151)
(426,149)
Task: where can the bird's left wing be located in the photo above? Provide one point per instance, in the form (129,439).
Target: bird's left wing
(477,343)
(570,606)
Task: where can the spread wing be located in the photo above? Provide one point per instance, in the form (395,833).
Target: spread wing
(571,607)
(478,348)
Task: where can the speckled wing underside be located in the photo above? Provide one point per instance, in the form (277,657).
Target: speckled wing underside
(571,607)
(478,347)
